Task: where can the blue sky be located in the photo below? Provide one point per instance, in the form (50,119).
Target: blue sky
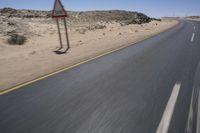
(154,8)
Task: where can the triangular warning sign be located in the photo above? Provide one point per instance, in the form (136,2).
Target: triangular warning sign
(58,11)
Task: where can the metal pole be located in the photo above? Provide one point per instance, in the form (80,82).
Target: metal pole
(67,36)
(59,33)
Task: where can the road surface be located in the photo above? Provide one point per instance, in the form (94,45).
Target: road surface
(144,88)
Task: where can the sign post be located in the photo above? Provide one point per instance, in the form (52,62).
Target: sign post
(60,13)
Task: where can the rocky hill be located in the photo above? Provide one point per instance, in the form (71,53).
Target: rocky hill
(193,17)
(82,17)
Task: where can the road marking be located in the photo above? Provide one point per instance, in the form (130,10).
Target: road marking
(169,110)
(198,115)
(192,38)
(194,27)
(191,114)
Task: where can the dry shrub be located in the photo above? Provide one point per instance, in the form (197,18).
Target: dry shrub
(96,27)
(81,31)
(16,39)
(99,26)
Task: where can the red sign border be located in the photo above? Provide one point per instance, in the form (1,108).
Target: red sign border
(60,16)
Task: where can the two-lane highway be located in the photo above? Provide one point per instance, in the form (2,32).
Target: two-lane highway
(144,88)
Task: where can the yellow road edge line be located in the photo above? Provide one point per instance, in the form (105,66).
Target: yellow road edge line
(78,64)
(62,70)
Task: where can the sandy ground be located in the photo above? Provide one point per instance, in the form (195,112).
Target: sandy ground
(19,64)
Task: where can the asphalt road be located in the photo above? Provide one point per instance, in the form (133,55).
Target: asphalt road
(123,92)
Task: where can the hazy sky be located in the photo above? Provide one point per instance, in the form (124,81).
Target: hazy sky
(155,8)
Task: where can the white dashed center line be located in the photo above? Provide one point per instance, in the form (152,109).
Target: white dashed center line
(169,110)
(192,38)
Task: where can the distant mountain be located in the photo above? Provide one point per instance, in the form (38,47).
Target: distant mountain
(193,17)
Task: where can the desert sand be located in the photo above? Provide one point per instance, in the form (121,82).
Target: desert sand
(21,63)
